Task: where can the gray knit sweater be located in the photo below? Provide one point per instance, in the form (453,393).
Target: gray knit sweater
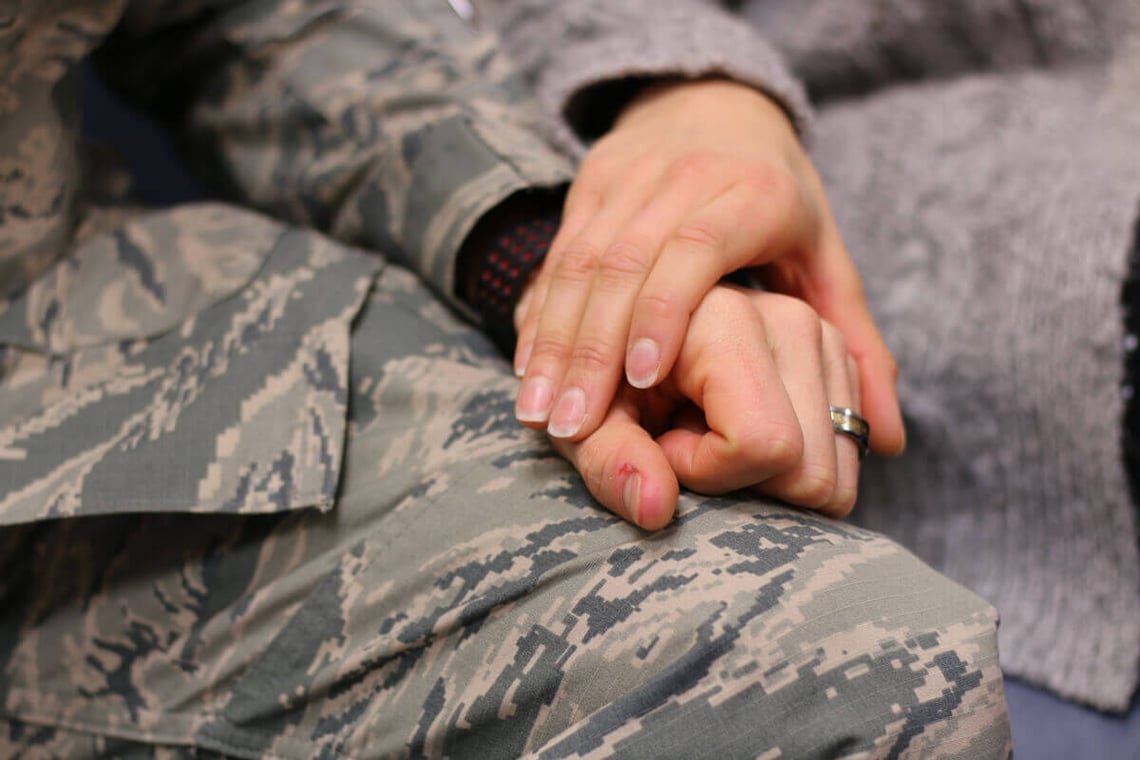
(983,158)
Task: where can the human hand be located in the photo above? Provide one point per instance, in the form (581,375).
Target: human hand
(746,405)
(696,180)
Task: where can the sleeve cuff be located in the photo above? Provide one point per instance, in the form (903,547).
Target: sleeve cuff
(611,51)
(464,169)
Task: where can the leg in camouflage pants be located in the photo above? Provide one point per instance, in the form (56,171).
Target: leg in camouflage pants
(466,598)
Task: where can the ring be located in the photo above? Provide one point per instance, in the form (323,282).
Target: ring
(850,424)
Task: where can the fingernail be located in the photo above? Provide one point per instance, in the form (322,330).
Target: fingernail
(631,496)
(642,363)
(523,360)
(534,400)
(568,414)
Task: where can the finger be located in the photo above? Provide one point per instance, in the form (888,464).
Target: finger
(798,349)
(842,378)
(746,223)
(843,303)
(830,282)
(584,200)
(581,205)
(589,383)
(603,172)
(624,468)
(571,277)
(750,432)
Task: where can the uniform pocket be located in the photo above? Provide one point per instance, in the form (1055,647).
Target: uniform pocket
(194,360)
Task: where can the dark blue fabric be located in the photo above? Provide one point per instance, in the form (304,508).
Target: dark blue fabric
(1048,728)
(159,178)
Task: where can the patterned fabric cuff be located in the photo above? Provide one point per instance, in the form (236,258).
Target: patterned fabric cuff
(501,254)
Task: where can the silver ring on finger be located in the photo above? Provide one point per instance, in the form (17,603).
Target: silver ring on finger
(846,422)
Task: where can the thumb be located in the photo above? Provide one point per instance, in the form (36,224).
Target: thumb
(624,468)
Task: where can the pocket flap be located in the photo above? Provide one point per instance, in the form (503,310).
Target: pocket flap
(215,380)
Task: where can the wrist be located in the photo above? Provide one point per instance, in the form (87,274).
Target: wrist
(711,97)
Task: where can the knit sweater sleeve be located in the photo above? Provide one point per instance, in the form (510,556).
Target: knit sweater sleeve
(842,48)
(586,58)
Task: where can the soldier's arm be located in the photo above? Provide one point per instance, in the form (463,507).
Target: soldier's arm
(392,125)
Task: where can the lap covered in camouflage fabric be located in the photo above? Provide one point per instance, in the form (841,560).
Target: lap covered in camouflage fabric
(465,597)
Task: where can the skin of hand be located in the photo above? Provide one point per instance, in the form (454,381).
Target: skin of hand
(745,406)
(695,180)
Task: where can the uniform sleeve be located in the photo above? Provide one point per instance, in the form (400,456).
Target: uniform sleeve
(394,125)
(587,58)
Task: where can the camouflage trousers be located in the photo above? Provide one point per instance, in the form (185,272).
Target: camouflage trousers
(466,598)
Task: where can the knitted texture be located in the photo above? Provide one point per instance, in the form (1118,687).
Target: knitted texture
(572,51)
(991,219)
(839,48)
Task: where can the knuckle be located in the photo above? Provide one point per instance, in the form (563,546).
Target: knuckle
(801,319)
(659,307)
(578,262)
(698,234)
(770,181)
(592,355)
(782,195)
(586,193)
(725,306)
(815,486)
(779,447)
(625,259)
(589,459)
(692,167)
(599,465)
(549,348)
(800,311)
(730,301)
(603,160)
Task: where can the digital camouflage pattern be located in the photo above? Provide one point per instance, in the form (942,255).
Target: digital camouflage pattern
(240,407)
(455,591)
(189,343)
(467,598)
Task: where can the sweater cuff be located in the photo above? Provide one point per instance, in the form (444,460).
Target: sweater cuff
(595,76)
